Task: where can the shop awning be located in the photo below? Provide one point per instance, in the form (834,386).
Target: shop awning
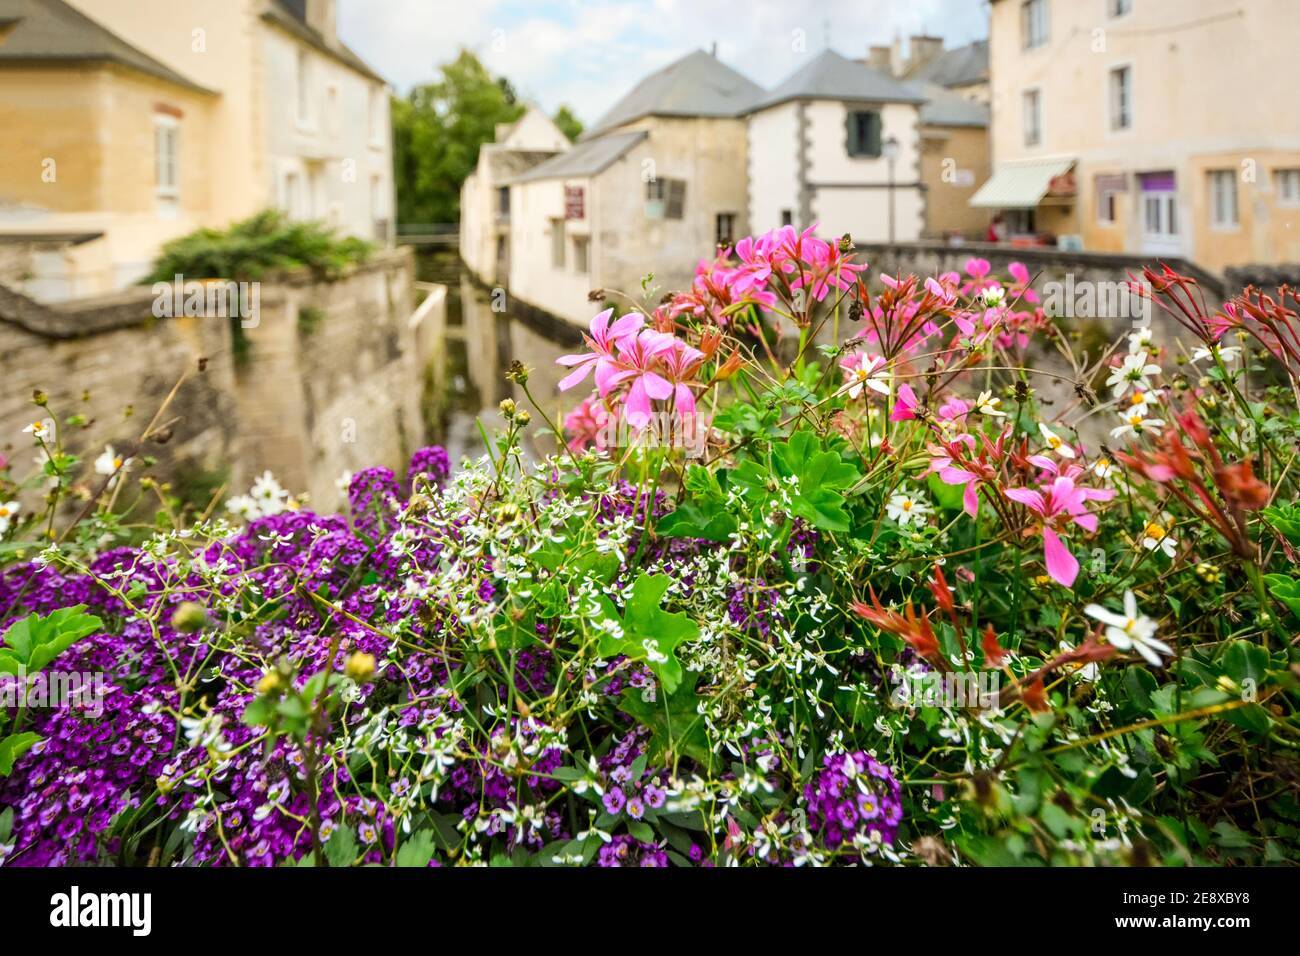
(1022,185)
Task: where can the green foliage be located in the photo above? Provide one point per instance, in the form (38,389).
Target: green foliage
(437,131)
(801,478)
(569,124)
(644,632)
(265,242)
(34,641)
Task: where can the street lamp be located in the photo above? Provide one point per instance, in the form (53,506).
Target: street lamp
(889,149)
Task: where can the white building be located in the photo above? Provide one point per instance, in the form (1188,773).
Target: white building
(485,195)
(654,186)
(838,143)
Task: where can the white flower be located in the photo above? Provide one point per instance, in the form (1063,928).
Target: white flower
(1056,442)
(244,506)
(343,482)
(8,513)
(870,372)
(906,508)
(993,296)
(1228,353)
(986,404)
(1103,468)
(1141,340)
(1130,631)
(1134,422)
(1156,535)
(1085,672)
(41,430)
(1133,373)
(110,462)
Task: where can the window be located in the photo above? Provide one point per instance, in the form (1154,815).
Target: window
(787,217)
(864,133)
(1033,23)
(304,88)
(166,153)
(289,195)
(1223,199)
(557,243)
(503,203)
(725,232)
(1119,8)
(581,247)
(1109,189)
(1033,117)
(665,198)
(1287,183)
(1121,98)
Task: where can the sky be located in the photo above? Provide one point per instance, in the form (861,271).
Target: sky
(588,53)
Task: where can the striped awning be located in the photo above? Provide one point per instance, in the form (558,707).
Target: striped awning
(1021,185)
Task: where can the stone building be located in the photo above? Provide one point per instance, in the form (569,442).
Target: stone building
(1123,126)
(485,195)
(655,185)
(129,124)
(838,143)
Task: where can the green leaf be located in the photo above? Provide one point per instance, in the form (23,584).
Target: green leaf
(35,641)
(1286,589)
(648,633)
(13,747)
(675,724)
(689,520)
(417,850)
(805,479)
(341,849)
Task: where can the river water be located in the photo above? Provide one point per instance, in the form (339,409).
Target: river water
(481,343)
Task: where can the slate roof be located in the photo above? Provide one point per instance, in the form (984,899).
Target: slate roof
(292,16)
(43,31)
(832,77)
(962,66)
(945,108)
(698,84)
(586,158)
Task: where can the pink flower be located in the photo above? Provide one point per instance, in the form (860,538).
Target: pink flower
(680,364)
(637,358)
(1060,503)
(978,269)
(586,424)
(602,341)
(905,409)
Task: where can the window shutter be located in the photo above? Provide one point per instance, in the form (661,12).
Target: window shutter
(873,134)
(676,199)
(851,143)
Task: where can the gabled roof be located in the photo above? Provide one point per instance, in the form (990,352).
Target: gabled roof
(945,108)
(291,16)
(830,76)
(698,84)
(963,66)
(585,159)
(47,31)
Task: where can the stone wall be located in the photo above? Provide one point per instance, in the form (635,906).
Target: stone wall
(328,379)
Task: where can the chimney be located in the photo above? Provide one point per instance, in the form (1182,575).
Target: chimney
(320,17)
(881,58)
(923,50)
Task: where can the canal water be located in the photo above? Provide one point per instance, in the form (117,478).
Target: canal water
(483,338)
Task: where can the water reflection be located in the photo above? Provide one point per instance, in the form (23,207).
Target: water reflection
(481,343)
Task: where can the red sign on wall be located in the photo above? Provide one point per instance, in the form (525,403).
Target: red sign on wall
(574,203)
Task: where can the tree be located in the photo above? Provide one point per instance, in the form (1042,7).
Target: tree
(569,124)
(437,131)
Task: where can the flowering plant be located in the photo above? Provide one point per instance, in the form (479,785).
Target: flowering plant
(911,601)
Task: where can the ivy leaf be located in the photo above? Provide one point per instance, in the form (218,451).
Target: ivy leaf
(13,747)
(1286,589)
(811,476)
(649,633)
(689,520)
(35,641)
(341,848)
(417,850)
(675,724)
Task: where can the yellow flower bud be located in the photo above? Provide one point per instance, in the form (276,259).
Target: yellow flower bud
(360,667)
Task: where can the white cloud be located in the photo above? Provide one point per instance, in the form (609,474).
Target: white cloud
(587,53)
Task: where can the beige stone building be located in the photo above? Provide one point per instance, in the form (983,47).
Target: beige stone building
(654,186)
(127,124)
(1154,127)
(485,194)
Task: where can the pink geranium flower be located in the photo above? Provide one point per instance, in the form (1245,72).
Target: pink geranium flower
(602,341)
(636,363)
(1057,504)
